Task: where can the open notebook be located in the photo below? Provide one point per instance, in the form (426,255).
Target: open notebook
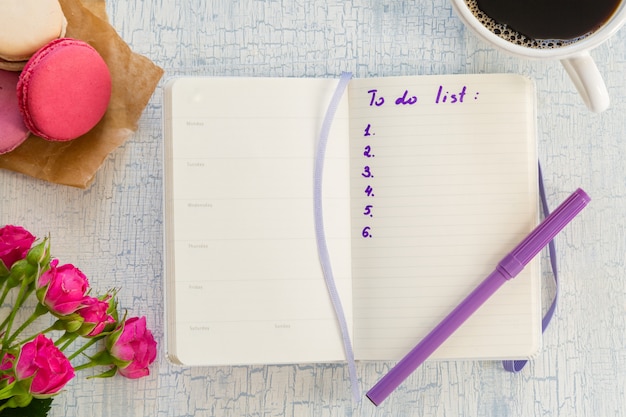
(428,182)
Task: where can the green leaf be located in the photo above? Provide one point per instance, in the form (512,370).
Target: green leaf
(108,374)
(102,358)
(4,271)
(39,255)
(36,408)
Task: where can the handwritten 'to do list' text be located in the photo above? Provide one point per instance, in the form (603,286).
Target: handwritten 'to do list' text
(443,96)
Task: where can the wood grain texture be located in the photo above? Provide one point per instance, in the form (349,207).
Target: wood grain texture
(113,230)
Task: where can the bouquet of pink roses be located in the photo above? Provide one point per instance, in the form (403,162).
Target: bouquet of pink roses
(33,366)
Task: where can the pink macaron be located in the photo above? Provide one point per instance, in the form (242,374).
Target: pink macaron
(64,90)
(12,129)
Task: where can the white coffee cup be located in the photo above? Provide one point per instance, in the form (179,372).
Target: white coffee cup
(575,56)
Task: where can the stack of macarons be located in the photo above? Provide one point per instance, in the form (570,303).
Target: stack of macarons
(54,87)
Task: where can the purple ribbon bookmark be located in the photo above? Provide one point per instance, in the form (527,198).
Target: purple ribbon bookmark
(518,365)
(322,247)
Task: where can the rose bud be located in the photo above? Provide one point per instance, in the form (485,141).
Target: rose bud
(62,289)
(132,348)
(96,317)
(15,241)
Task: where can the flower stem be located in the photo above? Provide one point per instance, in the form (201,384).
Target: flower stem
(48,330)
(83,348)
(65,341)
(69,342)
(18,303)
(39,311)
(85,366)
(4,295)
(2,298)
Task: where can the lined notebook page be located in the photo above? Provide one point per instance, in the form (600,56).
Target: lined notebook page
(244,280)
(444,184)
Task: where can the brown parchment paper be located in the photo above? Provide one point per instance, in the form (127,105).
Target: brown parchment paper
(134,79)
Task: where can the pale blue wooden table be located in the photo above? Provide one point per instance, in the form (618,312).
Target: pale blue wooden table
(114,229)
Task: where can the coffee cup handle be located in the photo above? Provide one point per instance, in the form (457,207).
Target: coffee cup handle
(584,73)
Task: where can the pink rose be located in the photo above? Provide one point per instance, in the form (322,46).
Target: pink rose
(49,369)
(95,315)
(62,289)
(15,241)
(6,368)
(133,348)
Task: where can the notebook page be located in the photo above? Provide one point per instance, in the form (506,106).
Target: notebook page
(246,285)
(444,184)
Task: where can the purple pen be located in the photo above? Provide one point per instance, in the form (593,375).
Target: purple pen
(509,267)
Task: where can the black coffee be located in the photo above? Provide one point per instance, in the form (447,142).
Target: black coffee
(543,23)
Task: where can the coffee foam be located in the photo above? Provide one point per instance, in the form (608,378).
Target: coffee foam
(508,34)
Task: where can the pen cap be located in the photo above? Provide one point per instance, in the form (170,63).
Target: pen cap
(550,227)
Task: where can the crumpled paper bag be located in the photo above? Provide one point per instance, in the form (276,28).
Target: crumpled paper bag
(134,79)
